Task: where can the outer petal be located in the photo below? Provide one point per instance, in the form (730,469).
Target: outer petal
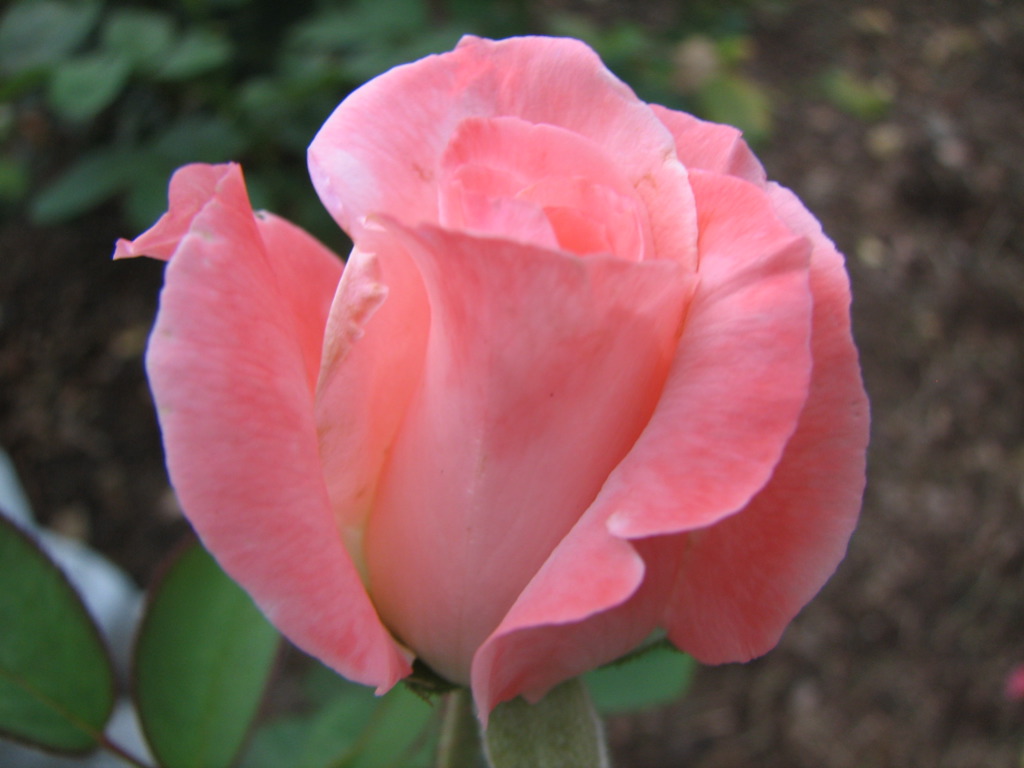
(190,190)
(366,160)
(541,370)
(747,577)
(730,404)
(235,403)
(305,273)
(543,651)
(706,146)
(740,375)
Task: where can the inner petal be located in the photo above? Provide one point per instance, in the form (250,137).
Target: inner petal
(482,200)
(577,232)
(588,217)
(589,204)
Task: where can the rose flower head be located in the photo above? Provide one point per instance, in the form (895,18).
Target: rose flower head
(586,374)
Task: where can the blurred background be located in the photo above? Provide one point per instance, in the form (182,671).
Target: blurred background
(899,123)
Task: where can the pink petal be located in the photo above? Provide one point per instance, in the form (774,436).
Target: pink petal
(226,363)
(539,644)
(191,188)
(747,577)
(731,402)
(305,279)
(541,370)
(706,146)
(739,379)
(370,156)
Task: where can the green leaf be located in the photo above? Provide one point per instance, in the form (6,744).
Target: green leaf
(199,139)
(56,681)
(82,87)
(13,179)
(39,33)
(197,52)
(348,727)
(733,99)
(145,199)
(142,37)
(395,738)
(865,99)
(202,660)
(91,181)
(653,678)
(328,736)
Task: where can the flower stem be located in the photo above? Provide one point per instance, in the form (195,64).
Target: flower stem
(459,745)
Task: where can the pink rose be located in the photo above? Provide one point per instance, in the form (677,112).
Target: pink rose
(585,374)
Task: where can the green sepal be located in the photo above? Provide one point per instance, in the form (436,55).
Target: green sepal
(562,730)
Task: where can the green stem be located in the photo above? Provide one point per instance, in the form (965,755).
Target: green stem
(459,745)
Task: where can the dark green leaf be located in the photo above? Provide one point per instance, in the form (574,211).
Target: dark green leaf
(202,660)
(13,179)
(14,86)
(39,33)
(91,181)
(142,37)
(197,52)
(199,139)
(82,87)
(145,199)
(56,681)
(348,727)
(652,679)
(327,736)
(865,99)
(395,738)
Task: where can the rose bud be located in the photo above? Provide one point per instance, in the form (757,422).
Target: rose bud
(586,374)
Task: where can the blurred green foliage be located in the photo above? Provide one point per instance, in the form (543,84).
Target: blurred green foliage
(101,101)
(868,100)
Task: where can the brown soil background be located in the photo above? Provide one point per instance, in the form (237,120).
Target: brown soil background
(901,660)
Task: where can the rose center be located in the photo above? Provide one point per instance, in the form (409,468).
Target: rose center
(539,184)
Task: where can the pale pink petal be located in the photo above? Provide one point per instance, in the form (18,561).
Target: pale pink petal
(541,370)
(707,146)
(227,368)
(731,402)
(746,577)
(364,160)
